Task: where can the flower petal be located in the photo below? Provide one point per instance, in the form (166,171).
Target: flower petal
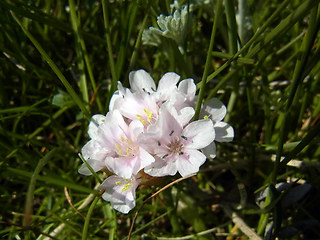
(215,109)
(224,132)
(161,168)
(168,83)
(141,81)
(187,87)
(120,192)
(190,165)
(94,124)
(94,164)
(199,133)
(210,150)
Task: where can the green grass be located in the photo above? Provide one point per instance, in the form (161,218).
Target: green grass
(60,63)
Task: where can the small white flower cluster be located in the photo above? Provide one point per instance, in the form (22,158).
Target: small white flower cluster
(148,132)
(172,26)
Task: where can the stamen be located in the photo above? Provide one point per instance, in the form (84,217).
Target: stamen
(159,144)
(126,187)
(170,134)
(185,138)
(118,183)
(180,153)
(139,116)
(164,156)
(118,146)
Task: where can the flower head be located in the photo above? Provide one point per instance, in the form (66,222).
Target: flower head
(120,192)
(175,146)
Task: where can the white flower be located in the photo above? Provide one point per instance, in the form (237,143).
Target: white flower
(127,157)
(174,146)
(215,110)
(120,192)
(93,152)
(143,101)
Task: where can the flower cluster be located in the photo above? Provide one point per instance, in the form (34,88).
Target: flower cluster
(148,132)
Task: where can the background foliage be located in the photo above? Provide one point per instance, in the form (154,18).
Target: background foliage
(60,63)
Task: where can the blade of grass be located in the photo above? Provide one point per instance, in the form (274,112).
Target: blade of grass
(109,49)
(87,220)
(297,78)
(54,67)
(82,76)
(54,180)
(83,55)
(208,60)
(32,184)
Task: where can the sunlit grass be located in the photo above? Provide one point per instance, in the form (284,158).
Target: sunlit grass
(60,63)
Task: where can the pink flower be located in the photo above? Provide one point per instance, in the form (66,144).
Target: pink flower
(120,192)
(175,146)
(126,156)
(215,110)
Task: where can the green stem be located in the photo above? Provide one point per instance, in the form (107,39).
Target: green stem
(83,55)
(109,48)
(208,60)
(87,220)
(297,78)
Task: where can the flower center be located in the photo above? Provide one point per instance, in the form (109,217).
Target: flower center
(176,146)
(147,117)
(125,148)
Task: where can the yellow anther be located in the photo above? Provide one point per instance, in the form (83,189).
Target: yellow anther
(118,146)
(120,152)
(205,117)
(139,116)
(128,142)
(143,122)
(125,188)
(128,151)
(118,183)
(122,139)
